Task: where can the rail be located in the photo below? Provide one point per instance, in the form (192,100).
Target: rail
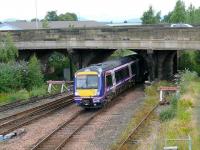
(20,119)
(61,135)
(136,128)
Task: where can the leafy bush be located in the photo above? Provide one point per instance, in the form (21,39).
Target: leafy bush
(58,61)
(8,50)
(11,76)
(120,53)
(35,76)
(190,60)
(186,78)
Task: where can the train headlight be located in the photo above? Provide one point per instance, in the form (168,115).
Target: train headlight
(97,93)
(76,93)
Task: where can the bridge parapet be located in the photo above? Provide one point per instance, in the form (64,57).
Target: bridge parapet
(156,38)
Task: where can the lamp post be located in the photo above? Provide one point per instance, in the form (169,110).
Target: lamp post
(36,20)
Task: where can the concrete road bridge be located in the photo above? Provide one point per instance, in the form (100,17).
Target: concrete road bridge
(159,45)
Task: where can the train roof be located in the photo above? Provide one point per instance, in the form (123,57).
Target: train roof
(107,65)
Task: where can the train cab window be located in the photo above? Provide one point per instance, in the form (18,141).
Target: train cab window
(109,82)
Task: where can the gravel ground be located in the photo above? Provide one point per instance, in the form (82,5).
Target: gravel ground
(28,106)
(39,129)
(98,135)
(108,126)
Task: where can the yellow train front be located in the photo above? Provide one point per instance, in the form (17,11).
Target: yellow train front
(88,88)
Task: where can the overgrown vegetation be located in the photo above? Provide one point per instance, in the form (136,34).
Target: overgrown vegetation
(190,60)
(151,99)
(8,50)
(18,80)
(184,121)
(22,94)
(169,112)
(58,61)
(179,120)
(34,76)
(121,53)
(180,14)
(20,75)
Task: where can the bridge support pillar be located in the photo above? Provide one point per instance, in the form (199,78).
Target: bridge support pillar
(162,64)
(151,64)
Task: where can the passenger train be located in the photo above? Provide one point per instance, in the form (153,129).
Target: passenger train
(97,84)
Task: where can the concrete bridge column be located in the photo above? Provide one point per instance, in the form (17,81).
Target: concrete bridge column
(169,64)
(151,65)
(166,64)
(162,64)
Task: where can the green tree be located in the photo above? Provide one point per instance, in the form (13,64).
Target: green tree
(197,16)
(167,17)
(35,76)
(58,61)
(8,51)
(149,17)
(68,17)
(191,14)
(51,16)
(179,13)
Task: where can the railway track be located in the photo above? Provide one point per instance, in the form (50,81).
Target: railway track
(59,137)
(29,101)
(136,128)
(20,119)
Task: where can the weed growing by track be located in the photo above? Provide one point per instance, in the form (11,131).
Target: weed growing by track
(22,94)
(174,121)
(185,119)
(151,99)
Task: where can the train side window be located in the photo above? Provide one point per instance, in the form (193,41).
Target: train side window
(125,73)
(109,82)
(121,74)
(118,76)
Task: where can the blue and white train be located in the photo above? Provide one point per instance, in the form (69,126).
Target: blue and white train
(97,84)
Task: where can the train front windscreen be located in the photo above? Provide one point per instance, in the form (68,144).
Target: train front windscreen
(86,85)
(87,82)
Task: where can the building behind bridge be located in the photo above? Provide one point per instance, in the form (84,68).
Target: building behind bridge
(25,25)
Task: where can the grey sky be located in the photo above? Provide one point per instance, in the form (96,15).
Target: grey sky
(100,10)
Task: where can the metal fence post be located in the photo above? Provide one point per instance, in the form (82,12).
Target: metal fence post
(190,142)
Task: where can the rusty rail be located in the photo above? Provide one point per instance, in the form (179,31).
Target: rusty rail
(136,128)
(20,119)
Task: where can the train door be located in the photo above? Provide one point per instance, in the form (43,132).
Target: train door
(110,88)
(109,82)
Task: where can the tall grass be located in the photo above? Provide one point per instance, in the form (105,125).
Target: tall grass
(169,112)
(151,99)
(22,94)
(184,122)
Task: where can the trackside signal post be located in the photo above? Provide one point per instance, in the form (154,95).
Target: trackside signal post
(167,88)
(64,87)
